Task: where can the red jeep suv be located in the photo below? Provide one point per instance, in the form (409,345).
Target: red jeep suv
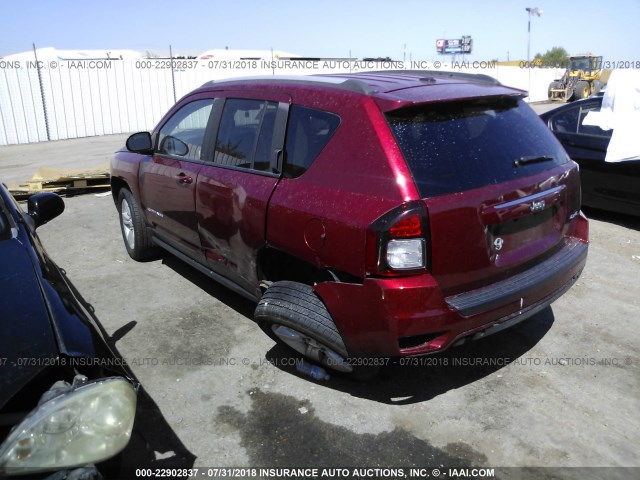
(369,215)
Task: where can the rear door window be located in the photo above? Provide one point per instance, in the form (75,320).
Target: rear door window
(591,129)
(571,120)
(245,134)
(566,121)
(458,146)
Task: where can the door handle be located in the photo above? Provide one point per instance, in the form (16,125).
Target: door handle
(184,179)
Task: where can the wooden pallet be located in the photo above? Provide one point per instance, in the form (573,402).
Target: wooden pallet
(66,183)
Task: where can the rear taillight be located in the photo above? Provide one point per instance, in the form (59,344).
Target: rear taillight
(407,227)
(397,242)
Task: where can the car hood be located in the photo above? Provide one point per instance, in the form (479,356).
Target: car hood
(26,335)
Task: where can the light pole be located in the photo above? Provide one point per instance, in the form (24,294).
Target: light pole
(537,12)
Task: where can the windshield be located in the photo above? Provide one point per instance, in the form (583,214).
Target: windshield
(452,147)
(579,64)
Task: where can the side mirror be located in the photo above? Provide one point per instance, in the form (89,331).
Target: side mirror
(45,206)
(140,143)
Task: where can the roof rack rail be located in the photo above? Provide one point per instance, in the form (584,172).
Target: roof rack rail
(352,84)
(443,73)
(350,81)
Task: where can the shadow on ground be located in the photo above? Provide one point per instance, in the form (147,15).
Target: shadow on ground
(229,298)
(407,381)
(401,381)
(153,443)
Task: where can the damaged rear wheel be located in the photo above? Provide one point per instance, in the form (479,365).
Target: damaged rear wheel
(292,314)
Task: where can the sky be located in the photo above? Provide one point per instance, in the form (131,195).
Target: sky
(404,29)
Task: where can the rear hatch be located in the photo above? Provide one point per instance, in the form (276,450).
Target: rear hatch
(498,187)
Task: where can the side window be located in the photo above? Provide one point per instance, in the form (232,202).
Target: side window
(183,134)
(565,122)
(308,132)
(245,134)
(591,129)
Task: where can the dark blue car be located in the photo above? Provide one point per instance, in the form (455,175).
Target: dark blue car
(613,186)
(67,401)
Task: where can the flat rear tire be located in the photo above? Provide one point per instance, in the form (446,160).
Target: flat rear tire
(293,315)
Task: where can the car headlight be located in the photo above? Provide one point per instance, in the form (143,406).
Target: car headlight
(86,424)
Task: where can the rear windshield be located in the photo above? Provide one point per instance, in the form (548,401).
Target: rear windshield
(452,147)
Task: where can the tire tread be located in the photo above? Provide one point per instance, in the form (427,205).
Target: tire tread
(296,305)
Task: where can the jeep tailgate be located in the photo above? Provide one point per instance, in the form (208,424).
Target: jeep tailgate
(500,191)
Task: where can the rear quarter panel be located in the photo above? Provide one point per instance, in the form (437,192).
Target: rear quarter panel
(322,215)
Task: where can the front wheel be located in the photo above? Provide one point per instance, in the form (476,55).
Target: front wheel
(292,314)
(582,90)
(137,239)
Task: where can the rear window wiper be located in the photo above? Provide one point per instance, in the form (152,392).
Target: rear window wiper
(527,160)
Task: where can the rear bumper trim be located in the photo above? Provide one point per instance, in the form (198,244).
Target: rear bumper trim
(518,286)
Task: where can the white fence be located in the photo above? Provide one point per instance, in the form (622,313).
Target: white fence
(60,99)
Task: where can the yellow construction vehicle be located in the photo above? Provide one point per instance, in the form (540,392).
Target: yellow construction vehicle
(579,80)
